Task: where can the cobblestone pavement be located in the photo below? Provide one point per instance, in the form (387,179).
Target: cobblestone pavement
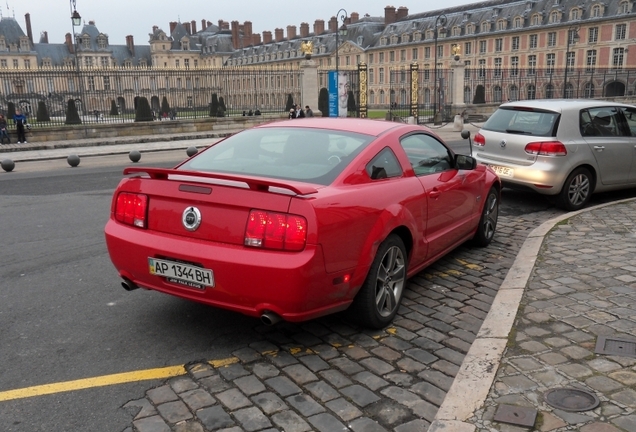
(329,375)
(583,287)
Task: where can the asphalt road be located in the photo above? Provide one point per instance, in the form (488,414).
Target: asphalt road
(64,316)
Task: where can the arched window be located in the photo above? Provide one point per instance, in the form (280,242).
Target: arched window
(596,11)
(496,94)
(467,94)
(372,98)
(532,92)
(427,96)
(549,91)
(575,14)
(623,7)
(513,93)
(588,90)
(382,102)
(554,17)
(485,26)
(518,22)
(403,97)
(569,91)
(536,20)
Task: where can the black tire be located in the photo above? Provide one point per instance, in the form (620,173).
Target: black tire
(380,296)
(488,221)
(577,190)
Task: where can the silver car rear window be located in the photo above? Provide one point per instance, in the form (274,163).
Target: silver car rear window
(523,121)
(307,155)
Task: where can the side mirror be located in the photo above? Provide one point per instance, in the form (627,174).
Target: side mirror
(466,135)
(463,162)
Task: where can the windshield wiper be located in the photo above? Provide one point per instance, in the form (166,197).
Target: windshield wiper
(520,132)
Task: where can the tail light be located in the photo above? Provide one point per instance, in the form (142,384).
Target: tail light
(282,231)
(546,148)
(131,209)
(479,140)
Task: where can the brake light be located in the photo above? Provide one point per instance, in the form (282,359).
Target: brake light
(270,230)
(546,148)
(479,140)
(131,209)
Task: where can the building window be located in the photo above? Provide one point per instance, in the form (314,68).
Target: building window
(536,20)
(3,64)
(590,61)
(514,66)
(27,64)
(482,68)
(532,92)
(485,26)
(189,102)
(623,7)
(391,56)
(592,36)
(496,93)
(549,62)
(518,22)
(569,63)
(176,63)
(588,90)
(403,55)
(371,76)
(15,64)
(440,51)
(381,57)
(86,43)
(513,93)
(427,73)
(515,43)
(596,11)
(468,48)
(532,64)
(470,29)
(498,45)
(381,77)
(621,30)
(497,71)
(101,43)
(91,83)
(457,31)
(371,58)
(533,41)
(106,83)
(414,54)
(552,39)
(186,63)
(482,47)
(617,58)
(466,69)
(549,91)
(427,52)
(501,25)
(554,17)
(574,14)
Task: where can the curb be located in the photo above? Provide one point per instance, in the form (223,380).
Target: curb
(477,372)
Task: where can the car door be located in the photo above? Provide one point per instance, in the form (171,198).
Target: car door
(629,113)
(449,195)
(610,142)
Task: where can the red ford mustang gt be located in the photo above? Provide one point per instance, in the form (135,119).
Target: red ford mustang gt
(298,219)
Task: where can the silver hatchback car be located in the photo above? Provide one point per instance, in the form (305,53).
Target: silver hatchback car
(565,148)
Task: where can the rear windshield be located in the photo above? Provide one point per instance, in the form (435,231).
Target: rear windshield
(523,122)
(308,155)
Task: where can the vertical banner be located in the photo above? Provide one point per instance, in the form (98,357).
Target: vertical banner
(332,87)
(362,71)
(338,94)
(415,112)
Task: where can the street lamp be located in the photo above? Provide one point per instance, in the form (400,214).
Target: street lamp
(573,36)
(342,31)
(439,21)
(76,21)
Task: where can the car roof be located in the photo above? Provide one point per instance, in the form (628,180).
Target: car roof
(358,125)
(560,105)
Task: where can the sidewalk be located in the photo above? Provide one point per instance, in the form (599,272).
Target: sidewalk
(574,287)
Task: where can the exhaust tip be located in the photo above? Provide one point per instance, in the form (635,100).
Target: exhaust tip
(128,285)
(270,318)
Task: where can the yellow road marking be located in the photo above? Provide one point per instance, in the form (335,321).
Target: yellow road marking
(469,265)
(105,380)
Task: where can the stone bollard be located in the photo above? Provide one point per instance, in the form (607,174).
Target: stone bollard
(191,151)
(73,160)
(7,165)
(458,124)
(134,156)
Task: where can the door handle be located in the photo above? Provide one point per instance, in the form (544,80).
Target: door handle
(434,194)
(599,148)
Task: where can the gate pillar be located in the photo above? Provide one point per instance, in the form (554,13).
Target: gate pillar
(415,89)
(362,71)
(309,89)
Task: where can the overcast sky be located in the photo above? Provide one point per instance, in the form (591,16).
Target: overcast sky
(118,18)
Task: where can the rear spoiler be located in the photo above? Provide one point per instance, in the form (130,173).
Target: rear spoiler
(254,183)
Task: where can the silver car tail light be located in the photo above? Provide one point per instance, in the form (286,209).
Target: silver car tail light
(546,148)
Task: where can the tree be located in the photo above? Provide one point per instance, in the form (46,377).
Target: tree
(165,107)
(144,113)
(72,117)
(10,110)
(113,108)
(323,102)
(214,105)
(480,95)
(351,102)
(290,103)
(43,112)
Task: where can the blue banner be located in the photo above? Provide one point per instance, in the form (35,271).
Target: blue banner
(332,87)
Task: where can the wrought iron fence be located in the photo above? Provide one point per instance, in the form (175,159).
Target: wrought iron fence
(352,87)
(112,95)
(483,86)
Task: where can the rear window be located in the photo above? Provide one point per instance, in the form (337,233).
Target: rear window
(523,122)
(307,155)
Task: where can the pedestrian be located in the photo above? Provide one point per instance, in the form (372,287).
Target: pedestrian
(299,111)
(20,120)
(292,113)
(3,130)
(308,111)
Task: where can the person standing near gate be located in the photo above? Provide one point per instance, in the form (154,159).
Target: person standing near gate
(20,120)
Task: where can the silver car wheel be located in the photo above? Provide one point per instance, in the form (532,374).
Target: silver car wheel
(491,214)
(579,189)
(390,281)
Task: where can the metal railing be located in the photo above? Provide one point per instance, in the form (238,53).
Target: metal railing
(112,95)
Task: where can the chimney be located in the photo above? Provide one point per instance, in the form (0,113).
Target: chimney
(389,15)
(256,39)
(187,28)
(247,33)
(130,44)
(267,37)
(27,18)
(333,24)
(319,27)
(235,35)
(155,28)
(203,25)
(291,32)
(208,24)
(355,16)
(173,25)
(304,29)
(44,37)
(402,12)
(193,26)
(278,34)
(69,43)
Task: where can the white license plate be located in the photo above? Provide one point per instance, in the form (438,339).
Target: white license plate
(502,171)
(184,274)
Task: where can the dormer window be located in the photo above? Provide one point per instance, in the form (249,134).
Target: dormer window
(485,27)
(24,44)
(417,36)
(517,23)
(555,17)
(383,41)
(623,7)
(101,43)
(502,24)
(185,45)
(456,31)
(596,11)
(3,44)
(536,20)
(575,14)
(394,39)
(470,29)
(430,34)
(128,63)
(86,42)
(360,40)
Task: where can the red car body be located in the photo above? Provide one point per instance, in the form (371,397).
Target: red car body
(345,222)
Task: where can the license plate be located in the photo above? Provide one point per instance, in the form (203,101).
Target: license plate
(184,274)
(502,171)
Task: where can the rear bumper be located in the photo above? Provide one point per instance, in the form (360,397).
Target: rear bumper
(250,281)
